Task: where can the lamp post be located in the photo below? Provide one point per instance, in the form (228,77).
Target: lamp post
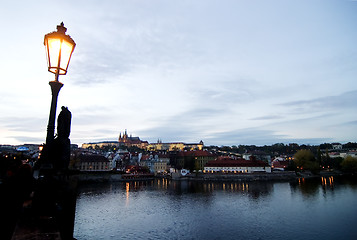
(54,195)
(59,49)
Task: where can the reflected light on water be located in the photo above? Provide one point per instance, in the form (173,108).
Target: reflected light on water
(127,190)
(301,181)
(162,184)
(226,187)
(327,182)
(165,183)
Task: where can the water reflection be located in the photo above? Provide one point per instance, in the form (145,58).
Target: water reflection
(165,209)
(310,188)
(307,187)
(127,190)
(351,181)
(254,190)
(327,182)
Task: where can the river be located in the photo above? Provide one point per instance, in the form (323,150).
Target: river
(322,208)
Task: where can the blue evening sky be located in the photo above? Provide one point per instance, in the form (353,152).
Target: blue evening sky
(227,72)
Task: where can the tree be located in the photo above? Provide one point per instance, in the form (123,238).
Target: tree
(291,166)
(328,162)
(123,147)
(350,145)
(189,163)
(318,155)
(135,149)
(305,159)
(349,164)
(326,146)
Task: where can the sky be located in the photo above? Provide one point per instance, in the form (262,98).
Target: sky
(227,72)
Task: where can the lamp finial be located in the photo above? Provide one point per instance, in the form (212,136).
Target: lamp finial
(61,28)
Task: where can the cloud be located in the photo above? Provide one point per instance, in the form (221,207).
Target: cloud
(97,135)
(246,136)
(344,101)
(28,139)
(186,125)
(350,123)
(189,127)
(259,136)
(268,117)
(342,125)
(23,124)
(188,70)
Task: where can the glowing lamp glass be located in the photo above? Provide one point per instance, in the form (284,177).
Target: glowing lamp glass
(59,49)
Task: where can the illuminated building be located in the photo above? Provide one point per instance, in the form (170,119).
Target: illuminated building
(174,146)
(236,166)
(100,144)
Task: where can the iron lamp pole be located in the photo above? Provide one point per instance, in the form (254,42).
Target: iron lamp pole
(59,49)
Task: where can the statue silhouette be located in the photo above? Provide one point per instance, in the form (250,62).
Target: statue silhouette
(64,123)
(62,143)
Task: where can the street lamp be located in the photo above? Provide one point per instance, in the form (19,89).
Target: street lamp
(59,49)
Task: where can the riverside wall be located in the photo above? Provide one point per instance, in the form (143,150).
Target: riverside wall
(115,177)
(278,176)
(87,177)
(84,177)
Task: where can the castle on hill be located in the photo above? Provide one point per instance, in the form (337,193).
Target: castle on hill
(130,141)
